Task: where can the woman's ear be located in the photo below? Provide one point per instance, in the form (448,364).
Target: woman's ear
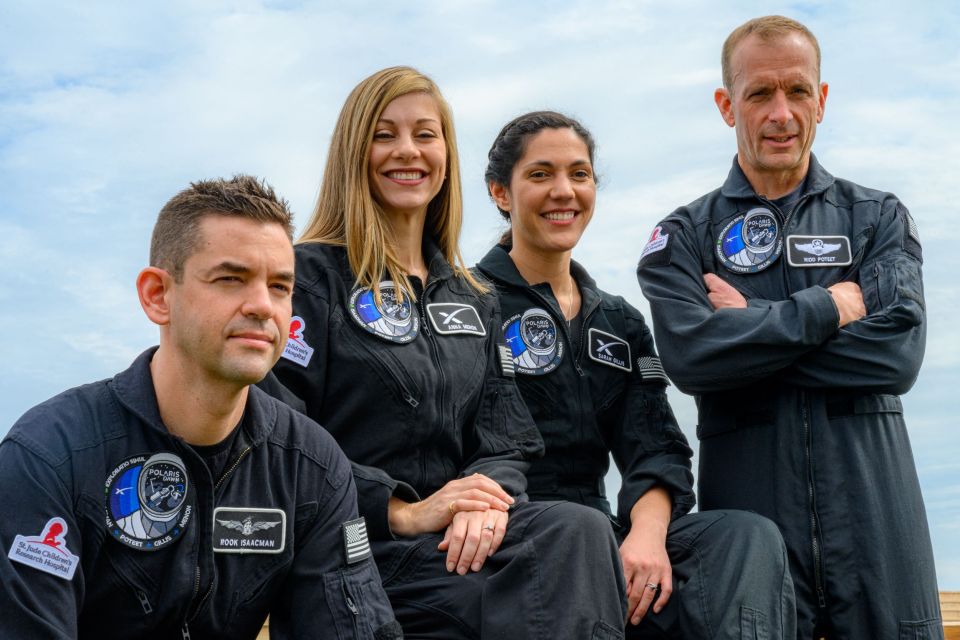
(500,195)
(153,286)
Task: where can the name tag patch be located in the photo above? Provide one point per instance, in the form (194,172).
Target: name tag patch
(356,546)
(297,350)
(47,552)
(249,530)
(610,350)
(818,251)
(453,317)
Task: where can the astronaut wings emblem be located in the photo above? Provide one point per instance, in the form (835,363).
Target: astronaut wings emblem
(818,247)
(248,526)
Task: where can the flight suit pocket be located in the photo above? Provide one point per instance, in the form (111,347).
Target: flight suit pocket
(921,630)
(358,606)
(753,625)
(385,366)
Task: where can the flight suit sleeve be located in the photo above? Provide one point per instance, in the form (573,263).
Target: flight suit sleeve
(299,379)
(41,584)
(881,352)
(504,436)
(334,583)
(648,446)
(705,350)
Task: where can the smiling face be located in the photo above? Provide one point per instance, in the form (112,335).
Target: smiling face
(775,103)
(408,155)
(230,314)
(551,194)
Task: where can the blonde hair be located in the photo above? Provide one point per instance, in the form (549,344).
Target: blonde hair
(346,213)
(767,28)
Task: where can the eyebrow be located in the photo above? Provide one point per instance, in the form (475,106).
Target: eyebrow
(239,269)
(547,163)
(419,120)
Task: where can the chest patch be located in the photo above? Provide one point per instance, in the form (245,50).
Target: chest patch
(454,317)
(535,344)
(608,349)
(249,530)
(356,545)
(297,350)
(149,501)
(46,552)
(389,319)
(818,251)
(751,242)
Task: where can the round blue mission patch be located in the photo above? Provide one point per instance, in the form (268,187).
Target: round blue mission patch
(148,500)
(750,242)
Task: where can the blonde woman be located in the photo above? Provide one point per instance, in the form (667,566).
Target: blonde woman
(397,350)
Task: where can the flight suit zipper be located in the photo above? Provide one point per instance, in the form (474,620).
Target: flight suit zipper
(434,353)
(815,535)
(185,630)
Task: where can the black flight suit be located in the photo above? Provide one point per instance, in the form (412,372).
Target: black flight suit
(417,396)
(606,394)
(267,536)
(798,420)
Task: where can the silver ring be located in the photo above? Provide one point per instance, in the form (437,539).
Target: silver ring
(488,527)
(650,585)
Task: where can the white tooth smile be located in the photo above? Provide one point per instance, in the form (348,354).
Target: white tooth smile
(559,215)
(405,175)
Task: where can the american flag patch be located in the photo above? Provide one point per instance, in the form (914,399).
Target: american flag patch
(912,228)
(506,361)
(650,369)
(356,546)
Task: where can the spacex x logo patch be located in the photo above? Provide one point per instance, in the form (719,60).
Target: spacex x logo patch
(608,349)
(453,317)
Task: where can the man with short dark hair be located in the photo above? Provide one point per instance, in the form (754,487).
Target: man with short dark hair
(175,499)
(791,304)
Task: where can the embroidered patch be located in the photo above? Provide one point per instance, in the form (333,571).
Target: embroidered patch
(297,350)
(47,552)
(657,250)
(609,349)
(911,235)
(818,251)
(650,369)
(657,242)
(535,345)
(356,546)
(453,317)
(750,242)
(390,319)
(506,361)
(249,530)
(148,501)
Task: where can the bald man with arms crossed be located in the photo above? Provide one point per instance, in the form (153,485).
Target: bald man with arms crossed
(790,303)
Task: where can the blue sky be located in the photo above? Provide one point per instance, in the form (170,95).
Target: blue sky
(108,109)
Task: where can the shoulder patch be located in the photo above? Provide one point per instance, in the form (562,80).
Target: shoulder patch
(535,345)
(818,251)
(609,349)
(297,350)
(249,530)
(911,235)
(389,319)
(455,317)
(651,370)
(356,546)
(657,250)
(506,361)
(751,242)
(46,552)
